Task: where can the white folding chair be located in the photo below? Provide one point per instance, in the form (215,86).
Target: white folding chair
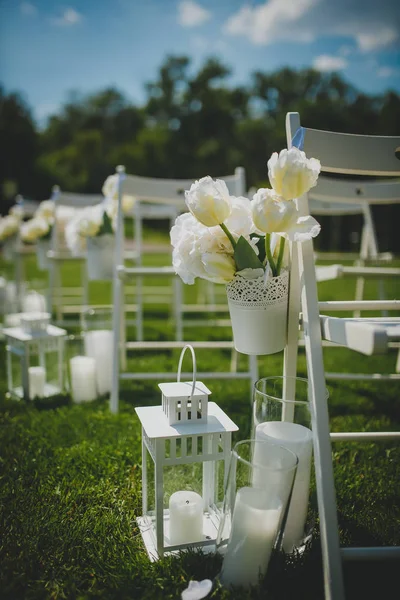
(152,191)
(343,197)
(356,155)
(71,300)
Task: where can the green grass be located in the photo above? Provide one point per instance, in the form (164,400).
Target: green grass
(71,480)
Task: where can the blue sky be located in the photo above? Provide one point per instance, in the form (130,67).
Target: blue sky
(49,48)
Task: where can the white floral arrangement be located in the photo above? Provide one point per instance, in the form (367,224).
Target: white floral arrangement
(35,229)
(110,192)
(40,226)
(92,221)
(223,235)
(9,226)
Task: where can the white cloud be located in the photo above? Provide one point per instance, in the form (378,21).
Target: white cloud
(27,9)
(378,38)
(191,14)
(386,72)
(265,23)
(325,62)
(68,18)
(371,24)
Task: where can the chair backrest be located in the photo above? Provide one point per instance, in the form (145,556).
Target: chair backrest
(172,191)
(333,196)
(349,153)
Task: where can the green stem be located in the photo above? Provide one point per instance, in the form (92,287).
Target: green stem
(228,233)
(268,253)
(280,255)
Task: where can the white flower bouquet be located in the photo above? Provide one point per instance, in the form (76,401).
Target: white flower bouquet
(9,227)
(241,243)
(92,231)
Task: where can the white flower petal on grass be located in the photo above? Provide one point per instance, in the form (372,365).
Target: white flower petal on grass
(197,590)
(209,201)
(292,174)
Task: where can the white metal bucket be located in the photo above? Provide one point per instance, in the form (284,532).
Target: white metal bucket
(258,314)
(100,257)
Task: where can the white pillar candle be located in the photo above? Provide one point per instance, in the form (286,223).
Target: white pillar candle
(99,345)
(185,518)
(83,378)
(299,440)
(34,302)
(37,381)
(255,524)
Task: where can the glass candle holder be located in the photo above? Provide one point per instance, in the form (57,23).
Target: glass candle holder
(98,344)
(256,502)
(281,415)
(81,371)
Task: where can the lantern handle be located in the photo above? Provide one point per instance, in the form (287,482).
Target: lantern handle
(194,367)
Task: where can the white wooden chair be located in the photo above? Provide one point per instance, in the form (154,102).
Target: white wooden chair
(342,197)
(356,155)
(71,300)
(150,192)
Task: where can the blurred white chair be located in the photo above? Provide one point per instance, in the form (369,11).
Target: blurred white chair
(67,299)
(341,197)
(357,155)
(170,193)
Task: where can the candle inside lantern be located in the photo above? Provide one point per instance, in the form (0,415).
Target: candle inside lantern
(255,523)
(185,518)
(34,302)
(37,381)
(83,378)
(99,345)
(298,439)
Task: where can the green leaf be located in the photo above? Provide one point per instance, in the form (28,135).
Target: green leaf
(106,225)
(260,245)
(245,257)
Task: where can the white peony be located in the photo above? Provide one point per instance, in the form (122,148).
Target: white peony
(17,211)
(110,187)
(91,220)
(292,174)
(9,226)
(34,229)
(209,201)
(46,209)
(76,243)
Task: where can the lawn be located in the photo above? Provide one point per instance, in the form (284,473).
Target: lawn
(71,477)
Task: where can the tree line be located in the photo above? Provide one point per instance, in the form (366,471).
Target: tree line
(190,125)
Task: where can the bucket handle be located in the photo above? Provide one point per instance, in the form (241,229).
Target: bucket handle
(194,367)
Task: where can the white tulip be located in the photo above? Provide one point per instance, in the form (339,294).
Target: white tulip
(219,268)
(292,174)
(271,214)
(209,201)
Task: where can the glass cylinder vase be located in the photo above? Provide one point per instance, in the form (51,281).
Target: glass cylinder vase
(281,415)
(98,344)
(256,502)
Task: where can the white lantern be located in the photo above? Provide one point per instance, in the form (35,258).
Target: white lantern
(35,355)
(185,429)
